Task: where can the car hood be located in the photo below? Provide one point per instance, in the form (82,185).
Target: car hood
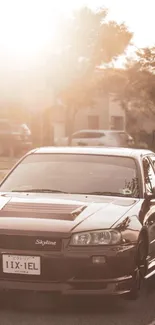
(61,214)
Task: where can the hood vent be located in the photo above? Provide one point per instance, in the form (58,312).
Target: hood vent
(42,210)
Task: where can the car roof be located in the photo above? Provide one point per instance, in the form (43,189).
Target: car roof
(126,152)
(99,131)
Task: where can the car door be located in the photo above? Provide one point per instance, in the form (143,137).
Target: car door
(89,139)
(86,138)
(149,220)
(80,139)
(111,139)
(94,139)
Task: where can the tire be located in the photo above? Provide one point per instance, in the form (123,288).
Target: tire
(136,286)
(140,270)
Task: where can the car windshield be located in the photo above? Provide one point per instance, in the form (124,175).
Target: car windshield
(70,173)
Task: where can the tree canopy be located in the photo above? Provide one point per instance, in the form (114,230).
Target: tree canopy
(88,40)
(134,88)
(135,85)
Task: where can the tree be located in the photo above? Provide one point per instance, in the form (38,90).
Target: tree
(134,88)
(88,40)
(14,112)
(146,57)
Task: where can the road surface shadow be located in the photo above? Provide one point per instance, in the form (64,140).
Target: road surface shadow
(43,302)
(31,302)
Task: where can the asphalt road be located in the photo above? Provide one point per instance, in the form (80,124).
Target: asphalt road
(39,309)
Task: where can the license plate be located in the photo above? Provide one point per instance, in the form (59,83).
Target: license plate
(16,264)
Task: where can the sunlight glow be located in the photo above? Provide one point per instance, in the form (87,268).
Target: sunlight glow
(29,27)
(26,27)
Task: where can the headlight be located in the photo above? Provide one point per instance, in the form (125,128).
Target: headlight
(94,238)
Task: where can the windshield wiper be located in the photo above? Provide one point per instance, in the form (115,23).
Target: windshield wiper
(39,190)
(108,194)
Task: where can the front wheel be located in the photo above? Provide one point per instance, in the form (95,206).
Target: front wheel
(139,272)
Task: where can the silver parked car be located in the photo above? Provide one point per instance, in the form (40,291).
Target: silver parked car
(106,138)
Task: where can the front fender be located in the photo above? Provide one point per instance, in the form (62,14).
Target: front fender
(130,228)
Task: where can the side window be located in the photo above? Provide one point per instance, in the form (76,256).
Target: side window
(95,135)
(101,135)
(88,135)
(79,135)
(149,175)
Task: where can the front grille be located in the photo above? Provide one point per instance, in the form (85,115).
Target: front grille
(36,243)
(99,272)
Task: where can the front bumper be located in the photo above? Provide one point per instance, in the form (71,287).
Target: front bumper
(116,286)
(72,272)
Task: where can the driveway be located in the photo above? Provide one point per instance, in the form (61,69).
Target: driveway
(39,309)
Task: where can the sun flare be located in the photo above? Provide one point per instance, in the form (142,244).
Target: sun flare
(26,27)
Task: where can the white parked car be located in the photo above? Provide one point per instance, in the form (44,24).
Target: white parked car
(106,138)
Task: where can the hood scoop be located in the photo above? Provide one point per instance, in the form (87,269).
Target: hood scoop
(57,211)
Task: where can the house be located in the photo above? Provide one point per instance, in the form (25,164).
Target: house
(106,113)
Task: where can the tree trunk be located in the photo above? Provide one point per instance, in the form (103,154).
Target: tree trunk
(70,119)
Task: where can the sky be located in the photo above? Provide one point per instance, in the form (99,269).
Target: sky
(28,28)
(137,15)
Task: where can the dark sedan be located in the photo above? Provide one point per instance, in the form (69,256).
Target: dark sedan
(78,221)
